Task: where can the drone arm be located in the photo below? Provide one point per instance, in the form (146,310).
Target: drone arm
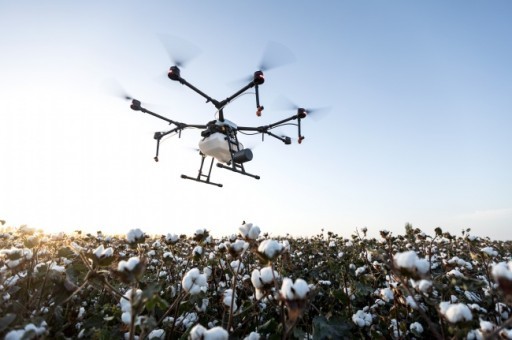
(266,128)
(195,89)
(136,106)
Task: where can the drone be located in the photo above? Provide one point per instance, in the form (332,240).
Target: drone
(219,137)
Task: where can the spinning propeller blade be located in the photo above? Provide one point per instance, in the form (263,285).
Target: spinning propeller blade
(180,51)
(275,55)
(115,89)
(315,113)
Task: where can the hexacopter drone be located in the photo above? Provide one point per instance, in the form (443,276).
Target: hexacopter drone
(219,137)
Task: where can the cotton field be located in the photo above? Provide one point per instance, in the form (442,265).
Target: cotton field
(250,285)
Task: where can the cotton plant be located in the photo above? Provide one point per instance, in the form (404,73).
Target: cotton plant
(295,296)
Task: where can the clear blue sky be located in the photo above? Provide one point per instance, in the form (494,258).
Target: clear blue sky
(419,129)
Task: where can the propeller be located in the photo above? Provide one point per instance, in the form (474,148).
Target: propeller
(115,89)
(180,51)
(315,113)
(275,55)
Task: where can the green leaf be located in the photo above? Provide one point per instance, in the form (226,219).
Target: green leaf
(65,252)
(335,328)
(6,321)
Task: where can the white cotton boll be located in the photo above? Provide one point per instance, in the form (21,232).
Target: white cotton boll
(198,251)
(286,288)
(216,333)
(294,291)
(489,251)
(416,327)
(486,326)
(286,246)
(15,334)
(156,334)
(267,276)
(253,336)
(134,235)
(386,294)
(301,288)
(244,229)
(360,270)
(172,238)
(406,259)
(194,282)
(197,332)
(254,233)
(228,299)
(455,273)
(128,265)
(422,266)
(424,285)
(502,270)
(362,319)
(81,313)
(271,248)
(256,279)
(239,246)
(455,312)
(410,302)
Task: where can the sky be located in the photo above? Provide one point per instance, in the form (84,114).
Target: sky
(417,131)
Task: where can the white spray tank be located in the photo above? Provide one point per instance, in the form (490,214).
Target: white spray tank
(217,145)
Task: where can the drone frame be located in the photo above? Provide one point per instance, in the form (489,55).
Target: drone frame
(238,157)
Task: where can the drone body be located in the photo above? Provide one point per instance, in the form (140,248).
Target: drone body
(220,137)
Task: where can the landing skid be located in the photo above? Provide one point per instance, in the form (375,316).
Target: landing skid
(201,180)
(200,174)
(234,169)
